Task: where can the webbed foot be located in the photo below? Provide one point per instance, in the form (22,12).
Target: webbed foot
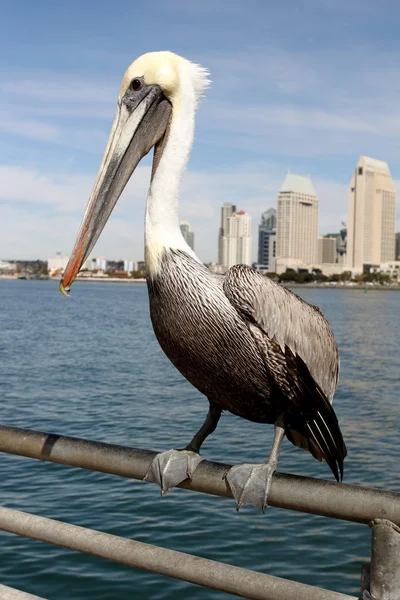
(170,468)
(250,484)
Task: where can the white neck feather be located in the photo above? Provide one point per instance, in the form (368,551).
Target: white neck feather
(162,229)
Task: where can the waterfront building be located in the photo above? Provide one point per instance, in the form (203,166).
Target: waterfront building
(371,214)
(90,264)
(234,244)
(130,265)
(397,253)
(7,267)
(187,233)
(101,263)
(59,263)
(297,220)
(267,240)
(227,211)
(327,250)
(391,268)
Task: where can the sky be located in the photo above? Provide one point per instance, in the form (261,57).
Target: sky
(299,85)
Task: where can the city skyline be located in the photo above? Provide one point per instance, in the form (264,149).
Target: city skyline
(313,104)
(301,184)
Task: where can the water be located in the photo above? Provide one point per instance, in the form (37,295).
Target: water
(89,366)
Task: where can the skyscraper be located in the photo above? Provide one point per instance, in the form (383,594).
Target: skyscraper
(397,253)
(372,214)
(267,239)
(227,211)
(297,220)
(187,233)
(234,243)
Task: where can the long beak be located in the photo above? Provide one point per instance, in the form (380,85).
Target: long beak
(134,132)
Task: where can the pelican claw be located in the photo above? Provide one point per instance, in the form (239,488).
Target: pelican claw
(170,468)
(250,484)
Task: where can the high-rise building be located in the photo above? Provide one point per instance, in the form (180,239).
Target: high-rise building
(267,240)
(327,251)
(101,263)
(234,244)
(372,214)
(187,233)
(397,254)
(268,219)
(297,220)
(227,211)
(129,265)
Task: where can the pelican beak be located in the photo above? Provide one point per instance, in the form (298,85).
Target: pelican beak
(140,122)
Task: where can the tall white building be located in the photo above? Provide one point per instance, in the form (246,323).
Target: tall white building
(371,214)
(101,263)
(188,234)
(297,220)
(234,243)
(130,265)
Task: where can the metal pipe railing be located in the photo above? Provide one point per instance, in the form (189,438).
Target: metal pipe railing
(209,573)
(325,498)
(8,593)
(385,561)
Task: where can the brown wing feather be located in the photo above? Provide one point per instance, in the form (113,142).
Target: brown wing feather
(288,320)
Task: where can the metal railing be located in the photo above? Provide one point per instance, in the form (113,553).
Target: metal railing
(7,593)
(379,509)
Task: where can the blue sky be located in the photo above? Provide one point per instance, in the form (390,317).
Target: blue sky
(305,85)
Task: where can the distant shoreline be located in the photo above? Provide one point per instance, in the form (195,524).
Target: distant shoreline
(308,286)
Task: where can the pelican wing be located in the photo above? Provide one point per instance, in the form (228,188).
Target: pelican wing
(301,359)
(288,320)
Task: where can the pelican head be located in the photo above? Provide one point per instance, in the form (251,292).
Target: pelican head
(152,91)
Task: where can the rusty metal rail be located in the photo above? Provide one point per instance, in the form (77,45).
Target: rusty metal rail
(378,508)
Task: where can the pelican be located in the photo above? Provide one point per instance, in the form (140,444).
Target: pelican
(250,346)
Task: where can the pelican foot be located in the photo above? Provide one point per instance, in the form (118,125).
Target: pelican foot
(170,468)
(250,484)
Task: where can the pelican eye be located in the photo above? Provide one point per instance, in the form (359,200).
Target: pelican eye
(136,84)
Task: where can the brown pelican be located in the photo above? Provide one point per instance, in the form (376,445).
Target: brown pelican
(250,346)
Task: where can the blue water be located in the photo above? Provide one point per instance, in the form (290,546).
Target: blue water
(89,366)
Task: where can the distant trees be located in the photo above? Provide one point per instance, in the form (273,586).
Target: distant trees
(138,274)
(381,278)
(292,276)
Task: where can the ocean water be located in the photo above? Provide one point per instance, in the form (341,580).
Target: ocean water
(90,366)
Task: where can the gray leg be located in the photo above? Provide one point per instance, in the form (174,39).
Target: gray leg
(170,468)
(206,429)
(250,484)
